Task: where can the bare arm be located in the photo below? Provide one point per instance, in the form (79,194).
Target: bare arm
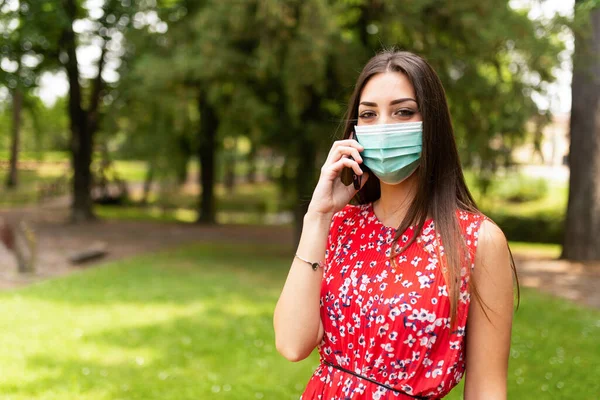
(298,326)
(488,341)
(297,321)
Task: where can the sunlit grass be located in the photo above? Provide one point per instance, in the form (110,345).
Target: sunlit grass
(126,213)
(131,171)
(542,250)
(196,323)
(188,324)
(49,156)
(29,185)
(184,215)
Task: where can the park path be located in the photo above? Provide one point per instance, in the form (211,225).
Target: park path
(57,240)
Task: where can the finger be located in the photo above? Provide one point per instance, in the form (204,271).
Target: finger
(340,151)
(337,166)
(349,142)
(344,143)
(347,151)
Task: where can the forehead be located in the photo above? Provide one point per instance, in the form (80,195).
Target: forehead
(385,87)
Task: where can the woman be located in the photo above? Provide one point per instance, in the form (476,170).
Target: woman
(416,285)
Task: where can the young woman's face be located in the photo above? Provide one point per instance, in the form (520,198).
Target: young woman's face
(388,98)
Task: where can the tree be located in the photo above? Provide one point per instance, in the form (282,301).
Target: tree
(281,71)
(25,50)
(582,233)
(484,53)
(163,71)
(14,52)
(85,115)
(207,56)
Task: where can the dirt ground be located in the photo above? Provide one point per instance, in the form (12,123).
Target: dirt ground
(57,240)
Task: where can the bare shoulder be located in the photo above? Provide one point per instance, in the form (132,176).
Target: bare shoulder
(491,238)
(492,260)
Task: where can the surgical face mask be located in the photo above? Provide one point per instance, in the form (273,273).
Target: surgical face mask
(392,151)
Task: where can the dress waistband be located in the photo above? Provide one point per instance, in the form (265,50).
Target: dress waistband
(373,381)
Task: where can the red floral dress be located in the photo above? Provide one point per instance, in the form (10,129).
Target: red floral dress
(391,325)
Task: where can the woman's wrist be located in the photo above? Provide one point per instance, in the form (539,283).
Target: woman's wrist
(317,216)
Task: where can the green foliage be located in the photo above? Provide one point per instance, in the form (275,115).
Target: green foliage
(43,128)
(148,327)
(544,227)
(527,209)
(520,188)
(280,72)
(541,250)
(31,32)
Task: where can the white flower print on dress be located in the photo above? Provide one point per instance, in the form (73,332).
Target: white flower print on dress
(388,347)
(415,262)
(426,280)
(389,322)
(394,312)
(442,291)
(410,340)
(432,264)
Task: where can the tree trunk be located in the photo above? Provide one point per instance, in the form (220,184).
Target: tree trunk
(148,183)
(207,141)
(17,105)
(582,231)
(230,161)
(81,148)
(84,123)
(186,151)
(81,138)
(252,164)
(17,108)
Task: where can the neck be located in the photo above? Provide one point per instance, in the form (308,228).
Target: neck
(392,206)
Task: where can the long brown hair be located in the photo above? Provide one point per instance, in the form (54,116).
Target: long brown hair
(442,189)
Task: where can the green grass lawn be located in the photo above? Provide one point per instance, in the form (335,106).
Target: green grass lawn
(29,185)
(541,250)
(196,323)
(53,156)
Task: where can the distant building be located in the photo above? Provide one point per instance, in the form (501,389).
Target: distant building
(554,145)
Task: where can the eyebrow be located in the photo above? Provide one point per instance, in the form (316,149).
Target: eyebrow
(397,101)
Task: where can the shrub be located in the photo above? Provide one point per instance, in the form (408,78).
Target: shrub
(543,226)
(520,189)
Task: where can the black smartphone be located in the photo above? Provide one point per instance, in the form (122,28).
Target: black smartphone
(348,175)
(356,179)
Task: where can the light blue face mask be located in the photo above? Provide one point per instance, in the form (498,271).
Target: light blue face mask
(392,151)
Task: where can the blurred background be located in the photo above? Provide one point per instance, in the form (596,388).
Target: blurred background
(157,157)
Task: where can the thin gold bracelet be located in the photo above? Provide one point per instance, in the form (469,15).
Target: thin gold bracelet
(314,265)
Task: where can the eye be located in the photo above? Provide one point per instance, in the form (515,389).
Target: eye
(405,112)
(367,114)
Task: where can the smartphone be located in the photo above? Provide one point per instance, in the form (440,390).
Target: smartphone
(348,175)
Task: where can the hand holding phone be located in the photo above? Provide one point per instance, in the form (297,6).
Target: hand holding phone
(348,175)
(342,167)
